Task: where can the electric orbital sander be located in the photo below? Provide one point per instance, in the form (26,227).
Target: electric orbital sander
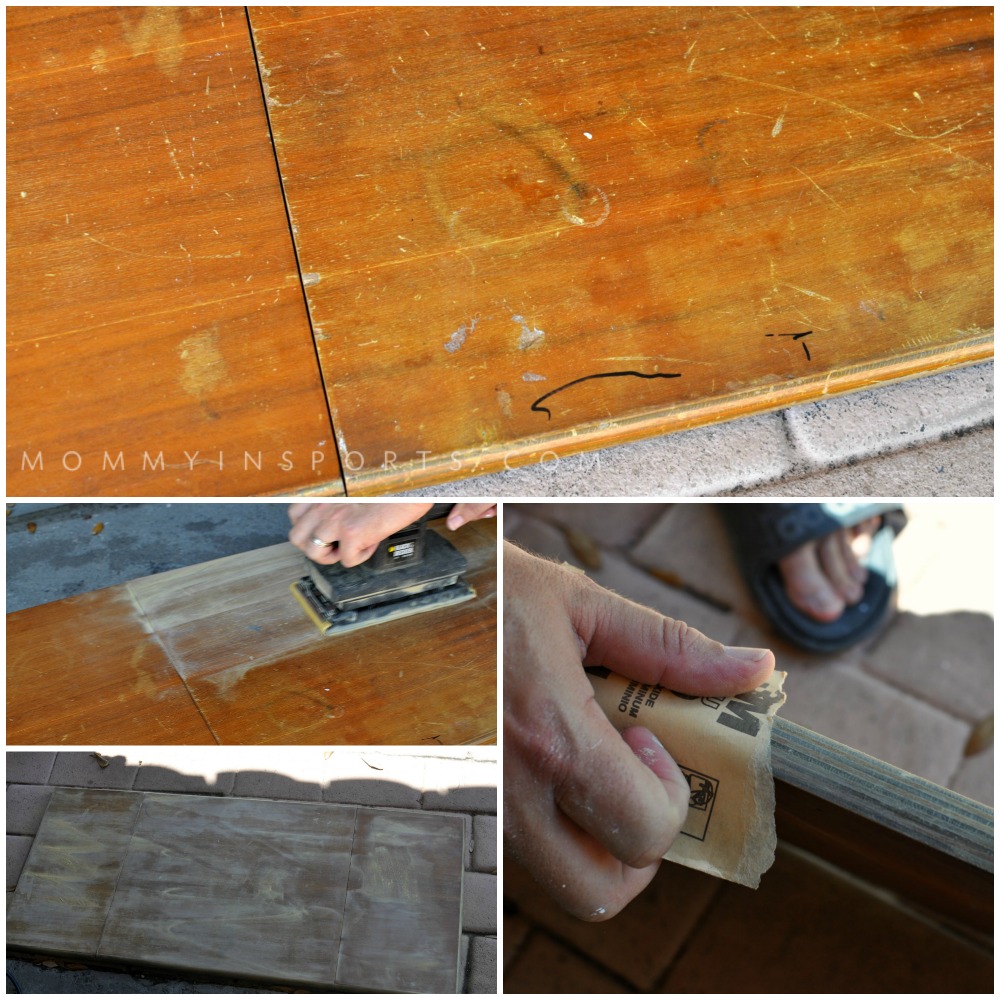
(412,571)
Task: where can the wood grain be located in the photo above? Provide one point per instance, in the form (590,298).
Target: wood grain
(404,900)
(158,341)
(222,652)
(239,886)
(311,894)
(518,223)
(88,669)
(69,878)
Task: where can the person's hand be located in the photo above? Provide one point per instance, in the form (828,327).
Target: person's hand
(463,513)
(351,532)
(587,810)
(348,533)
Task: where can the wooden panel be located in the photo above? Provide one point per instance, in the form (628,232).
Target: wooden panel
(88,670)
(305,893)
(239,886)
(65,890)
(405,900)
(235,659)
(158,342)
(925,842)
(547,229)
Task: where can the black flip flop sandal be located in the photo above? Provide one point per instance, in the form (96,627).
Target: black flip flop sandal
(763,533)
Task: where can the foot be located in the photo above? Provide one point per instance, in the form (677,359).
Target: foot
(826,576)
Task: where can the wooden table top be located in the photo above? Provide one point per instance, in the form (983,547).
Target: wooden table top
(548,229)
(222,652)
(310,893)
(510,234)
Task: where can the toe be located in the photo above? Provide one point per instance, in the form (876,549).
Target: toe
(839,564)
(808,586)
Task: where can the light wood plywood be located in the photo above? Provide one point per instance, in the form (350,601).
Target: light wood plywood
(222,652)
(301,893)
(531,231)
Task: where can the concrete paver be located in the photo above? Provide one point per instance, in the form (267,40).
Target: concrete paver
(960,465)
(839,701)
(641,942)
(84,769)
(30,766)
(974,777)
(484,851)
(894,416)
(929,436)
(544,965)
(481,976)
(689,545)
(609,524)
(479,903)
(25,807)
(946,660)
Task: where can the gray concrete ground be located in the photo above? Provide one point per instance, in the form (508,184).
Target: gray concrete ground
(929,437)
(443,779)
(58,550)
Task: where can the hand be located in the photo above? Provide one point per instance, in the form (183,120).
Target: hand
(351,531)
(587,810)
(463,513)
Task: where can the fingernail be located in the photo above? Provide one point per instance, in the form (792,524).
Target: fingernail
(747,653)
(454,521)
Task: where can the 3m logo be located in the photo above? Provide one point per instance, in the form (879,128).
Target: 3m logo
(740,713)
(701,802)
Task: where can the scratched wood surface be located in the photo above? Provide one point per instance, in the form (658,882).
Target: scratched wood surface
(546,229)
(222,652)
(157,337)
(265,889)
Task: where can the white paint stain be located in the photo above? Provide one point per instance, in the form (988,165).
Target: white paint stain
(310,278)
(459,337)
(530,335)
(532,377)
(776,131)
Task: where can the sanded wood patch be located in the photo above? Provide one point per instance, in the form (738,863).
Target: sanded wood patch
(313,894)
(222,652)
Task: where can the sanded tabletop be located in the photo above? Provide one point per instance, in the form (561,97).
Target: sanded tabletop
(308,893)
(157,337)
(530,231)
(222,652)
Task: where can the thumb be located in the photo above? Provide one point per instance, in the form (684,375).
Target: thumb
(646,646)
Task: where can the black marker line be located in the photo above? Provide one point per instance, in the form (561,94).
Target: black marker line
(795,336)
(544,409)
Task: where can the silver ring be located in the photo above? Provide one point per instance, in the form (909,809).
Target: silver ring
(320,542)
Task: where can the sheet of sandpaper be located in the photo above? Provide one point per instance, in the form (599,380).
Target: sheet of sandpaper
(723,746)
(304,893)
